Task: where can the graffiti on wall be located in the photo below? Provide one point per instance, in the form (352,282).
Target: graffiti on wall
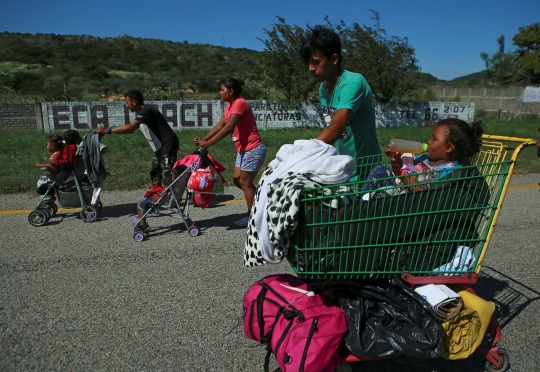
(422,113)
(186,115)
(77,115)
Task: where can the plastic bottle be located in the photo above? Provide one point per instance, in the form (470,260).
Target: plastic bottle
(399,145)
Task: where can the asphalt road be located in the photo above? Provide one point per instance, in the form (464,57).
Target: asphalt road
(86,297)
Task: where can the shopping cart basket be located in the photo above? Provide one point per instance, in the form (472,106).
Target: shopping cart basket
(436,236)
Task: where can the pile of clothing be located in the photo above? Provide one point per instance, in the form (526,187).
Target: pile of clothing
(304,164)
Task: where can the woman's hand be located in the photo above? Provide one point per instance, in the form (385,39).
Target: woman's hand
(200,142)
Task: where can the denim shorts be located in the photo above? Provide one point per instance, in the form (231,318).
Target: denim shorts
(251,160)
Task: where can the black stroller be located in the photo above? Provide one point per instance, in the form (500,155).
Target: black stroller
(72,190)
(72,186)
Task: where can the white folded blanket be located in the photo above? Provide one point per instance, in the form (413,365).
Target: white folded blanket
(313,158)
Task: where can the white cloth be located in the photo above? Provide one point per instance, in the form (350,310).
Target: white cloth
(463,261)
(315,159)
(97,191)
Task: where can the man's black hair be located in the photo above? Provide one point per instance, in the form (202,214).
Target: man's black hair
(321,39)
(135,95)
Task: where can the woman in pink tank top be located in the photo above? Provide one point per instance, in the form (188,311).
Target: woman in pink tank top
(239,122)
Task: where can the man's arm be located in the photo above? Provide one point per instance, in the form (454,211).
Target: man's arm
(339,120)
(122,129)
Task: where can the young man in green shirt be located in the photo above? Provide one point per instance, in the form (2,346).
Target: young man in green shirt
(347,103)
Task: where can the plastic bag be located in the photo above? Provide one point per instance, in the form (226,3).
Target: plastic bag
(391,321)
(205,180)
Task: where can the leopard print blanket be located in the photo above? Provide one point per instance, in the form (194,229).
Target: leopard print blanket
(282,215)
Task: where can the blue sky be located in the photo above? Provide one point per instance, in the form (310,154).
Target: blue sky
(448,36)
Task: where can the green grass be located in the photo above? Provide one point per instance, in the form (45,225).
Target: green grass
(123,74)
(10,68)
(129,156)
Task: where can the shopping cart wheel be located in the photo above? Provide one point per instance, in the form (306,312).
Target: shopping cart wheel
(505,360)
(51,207)
(38,217)
(344,367)
(193,231)
(89,214)
(138,236)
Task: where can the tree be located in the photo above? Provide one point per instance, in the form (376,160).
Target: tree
(500,66)
(254,90)
(283,68)
(387,62)
(528,54)
(111,64)
(55,87)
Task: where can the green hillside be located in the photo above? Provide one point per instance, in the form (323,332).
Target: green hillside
(83,67)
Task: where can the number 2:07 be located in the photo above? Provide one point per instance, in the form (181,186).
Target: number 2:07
(455,109)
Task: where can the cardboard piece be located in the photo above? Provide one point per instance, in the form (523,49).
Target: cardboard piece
(446,303)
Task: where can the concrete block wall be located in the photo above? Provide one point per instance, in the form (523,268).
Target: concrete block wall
(507,99)
(188,115)
(18,116)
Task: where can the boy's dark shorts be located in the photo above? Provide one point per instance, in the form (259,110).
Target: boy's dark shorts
(144,204)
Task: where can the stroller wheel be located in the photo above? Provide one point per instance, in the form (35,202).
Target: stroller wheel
(51,207)
(193,231)
(138,236)
(38,217)
(89,214)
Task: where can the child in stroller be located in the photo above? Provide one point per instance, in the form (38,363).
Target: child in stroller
(64,150)
(55,145)
(167,198)
(65,181)
(153,195)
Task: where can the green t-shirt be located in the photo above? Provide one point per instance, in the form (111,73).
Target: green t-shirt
(359,137)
